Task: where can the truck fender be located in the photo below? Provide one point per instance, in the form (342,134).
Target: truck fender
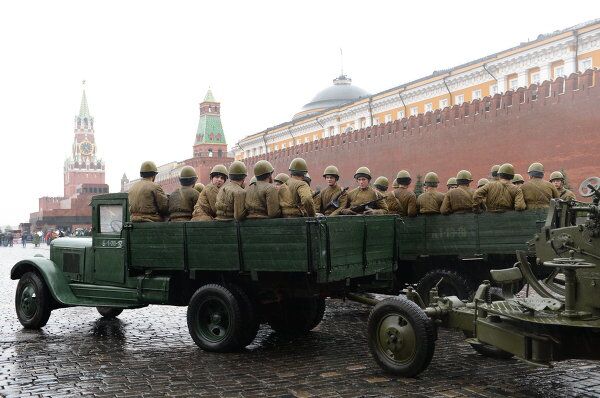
(57,283)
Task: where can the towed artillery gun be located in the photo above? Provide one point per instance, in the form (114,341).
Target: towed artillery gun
(559,320)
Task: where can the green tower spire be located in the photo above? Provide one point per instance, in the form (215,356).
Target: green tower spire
(210,129)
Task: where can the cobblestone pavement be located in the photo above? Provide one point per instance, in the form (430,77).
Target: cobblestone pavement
(148,352)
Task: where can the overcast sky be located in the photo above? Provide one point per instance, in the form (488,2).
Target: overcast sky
(148,64)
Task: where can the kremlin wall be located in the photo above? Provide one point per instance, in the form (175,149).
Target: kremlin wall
(556,123)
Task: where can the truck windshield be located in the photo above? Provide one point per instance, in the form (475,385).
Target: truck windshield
(111,218)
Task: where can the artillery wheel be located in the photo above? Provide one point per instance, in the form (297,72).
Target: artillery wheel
(452,284)
(32,301)
(401,337)
(297,315)
(109,312)
(584,190)
(215,319)
(250,319)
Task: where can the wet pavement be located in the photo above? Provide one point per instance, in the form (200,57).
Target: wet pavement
(148,352)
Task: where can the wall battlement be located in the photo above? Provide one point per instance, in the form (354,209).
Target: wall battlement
(556,123)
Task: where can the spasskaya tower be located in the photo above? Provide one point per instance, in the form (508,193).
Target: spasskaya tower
(83,167)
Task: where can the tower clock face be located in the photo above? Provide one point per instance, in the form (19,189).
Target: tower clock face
(86,148)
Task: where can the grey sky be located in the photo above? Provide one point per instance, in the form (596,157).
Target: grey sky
(147,65)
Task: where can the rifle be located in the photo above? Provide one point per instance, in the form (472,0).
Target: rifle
(335,202)
(362,207)
(314,195)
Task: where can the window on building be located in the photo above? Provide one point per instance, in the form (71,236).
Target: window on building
(375,121)
(283,145)
(476,94)
(388,118)
(459,99)
(247,153)
(414,111)
(513,84)
(443,103)
(331,130)
(210,153)
(535,78)
(260,150)
(306,140)
(585,64)
(362,123)
(428,107)
(253,151)
(559,71)
(400,115)
(493,89)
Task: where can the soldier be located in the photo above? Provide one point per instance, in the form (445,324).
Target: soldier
(262,199)
(205,208)
(199,187)
(280,179)
(295,196)
(232,196)
(518,180)
(253,181)
(333,198)
(430,201)
(482,182)
(182,201)
(537,192)
(459,200)
(364,199)
(381,184)
(494,172)
(451,184)
(147,200)
(558,180)
(407,200)
(499,196)
(395,184)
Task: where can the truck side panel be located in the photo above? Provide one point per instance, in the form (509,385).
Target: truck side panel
(212,246)
(157,245)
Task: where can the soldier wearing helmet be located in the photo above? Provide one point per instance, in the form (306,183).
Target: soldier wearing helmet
(182,200)
(295,196)
(147,200)
(407,200)
(205,208)
(482,182)
(518,180)
(232,196)
(451,184)
(280,179)
(459,200)
(537,192)
(494,172)
(382,184)
(499,196)
(430,201)
(364,194)
(558,180)
(332,195)
(262,199)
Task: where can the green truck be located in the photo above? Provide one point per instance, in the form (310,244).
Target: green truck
(233,276)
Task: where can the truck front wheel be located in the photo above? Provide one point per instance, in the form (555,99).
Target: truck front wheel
(215,320)
(32,301)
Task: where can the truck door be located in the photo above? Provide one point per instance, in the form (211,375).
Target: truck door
(109,241)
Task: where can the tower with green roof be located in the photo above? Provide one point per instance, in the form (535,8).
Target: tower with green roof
(210,139)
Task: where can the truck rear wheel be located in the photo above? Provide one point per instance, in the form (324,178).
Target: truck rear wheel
(32,301)
(401,337)
(215,319)
(452,284)
(109,312)
(297,315)
(250,321)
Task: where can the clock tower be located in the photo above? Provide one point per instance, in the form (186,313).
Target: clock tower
(83,167)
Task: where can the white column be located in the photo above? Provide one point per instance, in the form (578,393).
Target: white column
(523,78)
(545,72)
(570,63)
(501,84)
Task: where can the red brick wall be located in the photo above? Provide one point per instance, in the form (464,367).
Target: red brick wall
(81,177)
(560,128)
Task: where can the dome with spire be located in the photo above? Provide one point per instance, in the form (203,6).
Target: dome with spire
(341,92)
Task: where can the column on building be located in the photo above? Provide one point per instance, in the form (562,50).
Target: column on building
(523,78)
(570,64)
(545,72)
(501,83)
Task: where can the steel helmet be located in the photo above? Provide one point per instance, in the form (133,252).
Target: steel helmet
(148,167)
(382,183)
(363,172)
(464,175)
(263,167)
(451,181)
(298,165)
(332,171)
(403,174)
(219,169)
(557,175)
(237,169)
(482,182)
(281,178)
(199,187)
(395,184)
(494,170)
(253,180)
(508,170)
(536,167)
(188,172)
(431,179)
(518,178)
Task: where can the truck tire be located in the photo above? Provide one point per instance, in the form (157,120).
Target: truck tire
(297,316)
(32,301)
(452,284)
(250,319)
(215,319)
(401,337)
(109,312)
